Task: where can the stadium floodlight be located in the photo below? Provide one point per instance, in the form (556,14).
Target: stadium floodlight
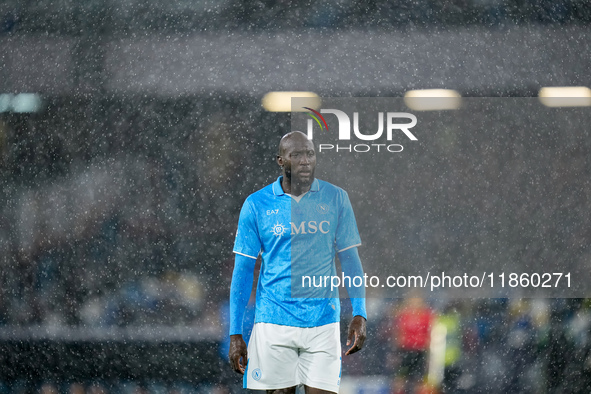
(432,99)
(567,96)
(26,102)
(281,101)
(5,102)
(20,103)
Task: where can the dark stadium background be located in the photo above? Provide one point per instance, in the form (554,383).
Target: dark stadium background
(120,193)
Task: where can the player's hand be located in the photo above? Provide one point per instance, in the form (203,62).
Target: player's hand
(238,354)
(357,334)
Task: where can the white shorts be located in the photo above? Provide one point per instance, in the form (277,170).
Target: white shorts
(285,356)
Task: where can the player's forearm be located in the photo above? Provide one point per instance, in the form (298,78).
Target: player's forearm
(240,290)
(351,266)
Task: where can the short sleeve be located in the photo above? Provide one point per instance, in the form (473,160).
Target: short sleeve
(247,242)
(347,234)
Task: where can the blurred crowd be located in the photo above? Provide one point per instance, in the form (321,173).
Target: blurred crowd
(119,228)
(471,346)
(80,18)
(114,387)
(125,217)
(121,212)
(422,345)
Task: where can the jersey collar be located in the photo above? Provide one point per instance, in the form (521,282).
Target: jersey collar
(278,190)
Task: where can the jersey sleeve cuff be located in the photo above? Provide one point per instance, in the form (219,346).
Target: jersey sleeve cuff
(362,314)
(348,247)
(358,305)
(245,255)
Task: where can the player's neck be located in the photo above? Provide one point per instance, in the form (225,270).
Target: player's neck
(294,189)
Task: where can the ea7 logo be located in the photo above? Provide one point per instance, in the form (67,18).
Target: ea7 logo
(310,227)
(392,124)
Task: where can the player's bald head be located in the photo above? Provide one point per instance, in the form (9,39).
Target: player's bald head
(288,138)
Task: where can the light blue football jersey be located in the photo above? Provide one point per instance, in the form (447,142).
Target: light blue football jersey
(296,237)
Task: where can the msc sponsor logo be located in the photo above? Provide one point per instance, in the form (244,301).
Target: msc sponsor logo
(311,227)
(278,229)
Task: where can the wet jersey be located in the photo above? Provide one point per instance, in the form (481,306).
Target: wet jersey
(297,238)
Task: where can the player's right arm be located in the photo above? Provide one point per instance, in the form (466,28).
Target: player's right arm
(240,290)
(246,248)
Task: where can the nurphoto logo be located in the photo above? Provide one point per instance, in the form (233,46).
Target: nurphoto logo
(393,125)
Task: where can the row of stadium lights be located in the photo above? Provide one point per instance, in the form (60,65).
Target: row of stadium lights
(20,103)
(418,100)
(437,99)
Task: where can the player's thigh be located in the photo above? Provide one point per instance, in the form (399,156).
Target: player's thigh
(289,390)
(313,390)
(320,362)
(272,358)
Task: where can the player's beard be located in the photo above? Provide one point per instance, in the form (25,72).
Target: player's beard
(304,182)
(299,181)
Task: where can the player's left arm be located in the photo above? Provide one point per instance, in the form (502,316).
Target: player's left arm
(351,266)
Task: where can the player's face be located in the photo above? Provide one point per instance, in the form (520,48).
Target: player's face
(299,161)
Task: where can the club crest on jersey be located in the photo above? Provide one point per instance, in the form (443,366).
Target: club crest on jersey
(322,208)
(278,229)
(256,374)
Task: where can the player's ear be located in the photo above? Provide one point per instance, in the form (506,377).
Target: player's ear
(280,161)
